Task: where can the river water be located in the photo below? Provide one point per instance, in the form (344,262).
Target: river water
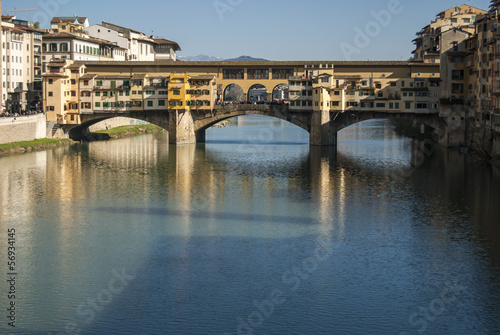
(253,232)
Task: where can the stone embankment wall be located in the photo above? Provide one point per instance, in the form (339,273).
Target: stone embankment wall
(22,128)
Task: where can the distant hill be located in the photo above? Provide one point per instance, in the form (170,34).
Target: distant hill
(205,58)
(246,59)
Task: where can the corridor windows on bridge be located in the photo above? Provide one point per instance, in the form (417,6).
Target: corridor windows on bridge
(233,74)
(258,74)
(282,73)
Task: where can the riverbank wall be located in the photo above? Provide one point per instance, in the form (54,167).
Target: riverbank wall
(22,128)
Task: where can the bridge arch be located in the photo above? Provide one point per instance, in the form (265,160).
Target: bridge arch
(233,93)
(79,132)
(201,124)
(281,92)
(258,93)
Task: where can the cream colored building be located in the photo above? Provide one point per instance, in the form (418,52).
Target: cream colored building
(429,44)
(21,65)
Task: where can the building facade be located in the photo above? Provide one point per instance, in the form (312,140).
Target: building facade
(429,43)
(21,66)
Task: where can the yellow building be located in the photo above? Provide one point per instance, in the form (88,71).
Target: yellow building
(178,88)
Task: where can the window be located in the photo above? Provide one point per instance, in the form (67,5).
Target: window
(98,104)
(150,103)
(282,73)
(98,83)
(73,82)
(233,73)
(325,79)
(457,75)
(177,92)
(161,103)
(51,94)
(408,105)
(258,74)
(51,81)
(380,104)
(97,94)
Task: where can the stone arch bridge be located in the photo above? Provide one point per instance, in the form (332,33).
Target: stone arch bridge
(190,126)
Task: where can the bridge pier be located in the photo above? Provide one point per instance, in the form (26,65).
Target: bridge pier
(181,127)
(323,132)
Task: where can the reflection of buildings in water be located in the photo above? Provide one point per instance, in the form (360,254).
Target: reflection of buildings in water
(141,152)
(328,185)
(22,180)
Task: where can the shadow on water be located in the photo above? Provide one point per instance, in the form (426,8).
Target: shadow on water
(208,215)
(203,286)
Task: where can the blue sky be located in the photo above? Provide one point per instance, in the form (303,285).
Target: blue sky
(271,29)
